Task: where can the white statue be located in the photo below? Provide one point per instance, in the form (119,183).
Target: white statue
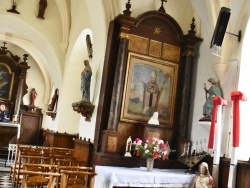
(128,147)
(154,119)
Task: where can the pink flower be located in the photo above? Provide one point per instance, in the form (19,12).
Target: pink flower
(152,148)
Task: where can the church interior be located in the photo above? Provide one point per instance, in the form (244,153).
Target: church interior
(94,81)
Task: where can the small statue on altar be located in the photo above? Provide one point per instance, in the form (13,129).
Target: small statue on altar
(33,95)
(128,147)
(154,119)
(203,179)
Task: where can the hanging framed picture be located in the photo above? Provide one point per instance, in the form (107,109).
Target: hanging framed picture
(150,85)
(6,82)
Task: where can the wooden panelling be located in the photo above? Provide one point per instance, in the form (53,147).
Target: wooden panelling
(223,172)
(243,175)
(62,140)
(31,123)
(120,160)
(83,151)
(158,131)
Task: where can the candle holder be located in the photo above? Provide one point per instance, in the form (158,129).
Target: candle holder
(191,161)
(191,157)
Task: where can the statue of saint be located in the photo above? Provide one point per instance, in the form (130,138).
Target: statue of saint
(128,147)
(42,6)
(203,179)
(154,119)
(53,101)
(213,91)
(85,81)
(33,95)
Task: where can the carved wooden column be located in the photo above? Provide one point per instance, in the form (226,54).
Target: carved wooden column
(22,87)
(187,75)
(110,136)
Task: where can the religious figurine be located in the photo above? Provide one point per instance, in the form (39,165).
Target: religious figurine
(154,119)
(213,91)
(53,101)
(85,81)
(42,7)
(128,147)
(33,95)
(89,46)
(203,179)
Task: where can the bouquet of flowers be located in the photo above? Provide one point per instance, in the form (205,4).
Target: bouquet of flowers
(152,148)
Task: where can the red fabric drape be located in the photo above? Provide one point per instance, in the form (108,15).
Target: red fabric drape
(236,96)
(216,101)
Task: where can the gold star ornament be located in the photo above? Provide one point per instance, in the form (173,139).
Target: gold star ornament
(157,30)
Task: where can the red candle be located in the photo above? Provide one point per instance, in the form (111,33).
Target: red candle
(216,101)
(236,96)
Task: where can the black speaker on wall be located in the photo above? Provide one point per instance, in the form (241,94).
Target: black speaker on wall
(220,28)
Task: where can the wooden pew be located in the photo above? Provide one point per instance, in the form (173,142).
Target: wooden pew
(39,178)
(77,179)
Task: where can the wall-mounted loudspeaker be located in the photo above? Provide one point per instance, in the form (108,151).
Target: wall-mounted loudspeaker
(220,29)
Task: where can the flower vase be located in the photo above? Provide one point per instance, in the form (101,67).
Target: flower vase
(150,164)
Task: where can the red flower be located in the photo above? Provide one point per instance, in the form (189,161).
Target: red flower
(138,153)
(155,155)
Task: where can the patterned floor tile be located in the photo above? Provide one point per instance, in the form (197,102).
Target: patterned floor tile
(5,181)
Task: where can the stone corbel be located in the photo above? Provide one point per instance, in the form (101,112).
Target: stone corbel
(52,114)
(85,108)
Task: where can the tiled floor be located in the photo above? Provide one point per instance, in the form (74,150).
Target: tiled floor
(5,181)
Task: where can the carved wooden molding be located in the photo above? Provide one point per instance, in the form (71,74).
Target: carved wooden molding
(51,114)
(85,108)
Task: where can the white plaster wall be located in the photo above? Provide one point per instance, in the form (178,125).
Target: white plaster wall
(231,55)
(94,25)
(204,72)
(244,79)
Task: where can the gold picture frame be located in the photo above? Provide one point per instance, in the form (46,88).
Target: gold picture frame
(150,85)
(6,82)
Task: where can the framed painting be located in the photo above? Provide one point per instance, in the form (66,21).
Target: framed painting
(150,85)
(6,82)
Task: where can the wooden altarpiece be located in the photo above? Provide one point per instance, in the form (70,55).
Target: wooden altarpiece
(13,79)
(12,88)
(151,45)
(13,73)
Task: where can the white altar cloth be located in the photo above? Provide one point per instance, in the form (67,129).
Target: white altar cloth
(108,176)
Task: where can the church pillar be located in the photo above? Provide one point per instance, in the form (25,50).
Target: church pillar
(22,87)
(187,75)
(110,135)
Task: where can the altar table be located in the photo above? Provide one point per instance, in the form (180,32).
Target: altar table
(109,176)
(7,131)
